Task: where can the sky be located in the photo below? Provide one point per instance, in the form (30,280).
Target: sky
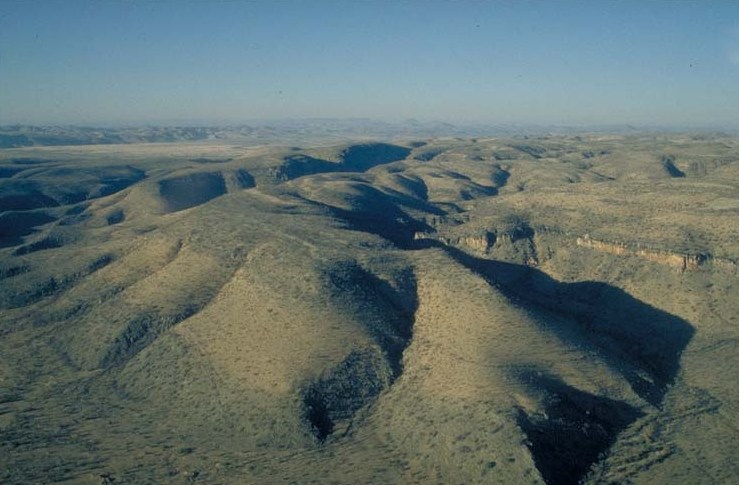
(666,63)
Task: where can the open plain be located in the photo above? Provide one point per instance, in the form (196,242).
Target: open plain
(521,310)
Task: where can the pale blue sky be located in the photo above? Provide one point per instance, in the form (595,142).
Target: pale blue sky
(656,62)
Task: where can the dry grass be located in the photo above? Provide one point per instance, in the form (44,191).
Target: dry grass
(202,313)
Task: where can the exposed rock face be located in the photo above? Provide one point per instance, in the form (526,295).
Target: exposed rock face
(481,243)
(485,242)
(518,242)
(680,260)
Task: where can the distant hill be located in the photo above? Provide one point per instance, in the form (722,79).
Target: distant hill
(290,130)
(17,136)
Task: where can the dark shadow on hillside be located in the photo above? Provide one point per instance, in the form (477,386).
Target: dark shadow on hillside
(379,213)
(24,295)
(141,331)
(188,191)
(115,182)
(384,311)
(244,179)
(12,271)
(63,186)
(642,342)
(387,313)
(360,158)
(500,176)
(296,166)
(427,155)
(71,185)
(49,242)
(24,195)
(668,163)
(534,151)
(356,158)
(572,430)
(15,225)
(115,217)
(394,225)
(7,172)
(415,186)
(332,400)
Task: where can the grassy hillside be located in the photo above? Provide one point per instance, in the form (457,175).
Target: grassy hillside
(553,310)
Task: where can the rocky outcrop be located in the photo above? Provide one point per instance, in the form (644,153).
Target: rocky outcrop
(684,261)
(481,243)
(491,242)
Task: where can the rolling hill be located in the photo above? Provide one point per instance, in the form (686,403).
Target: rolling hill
(542,309)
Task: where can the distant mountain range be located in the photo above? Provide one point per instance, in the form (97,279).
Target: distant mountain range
(328,129)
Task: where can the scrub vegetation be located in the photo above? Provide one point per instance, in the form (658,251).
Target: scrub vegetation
(522,310)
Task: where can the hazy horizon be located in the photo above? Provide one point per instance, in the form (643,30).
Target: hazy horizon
(476,127)
(667,64)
